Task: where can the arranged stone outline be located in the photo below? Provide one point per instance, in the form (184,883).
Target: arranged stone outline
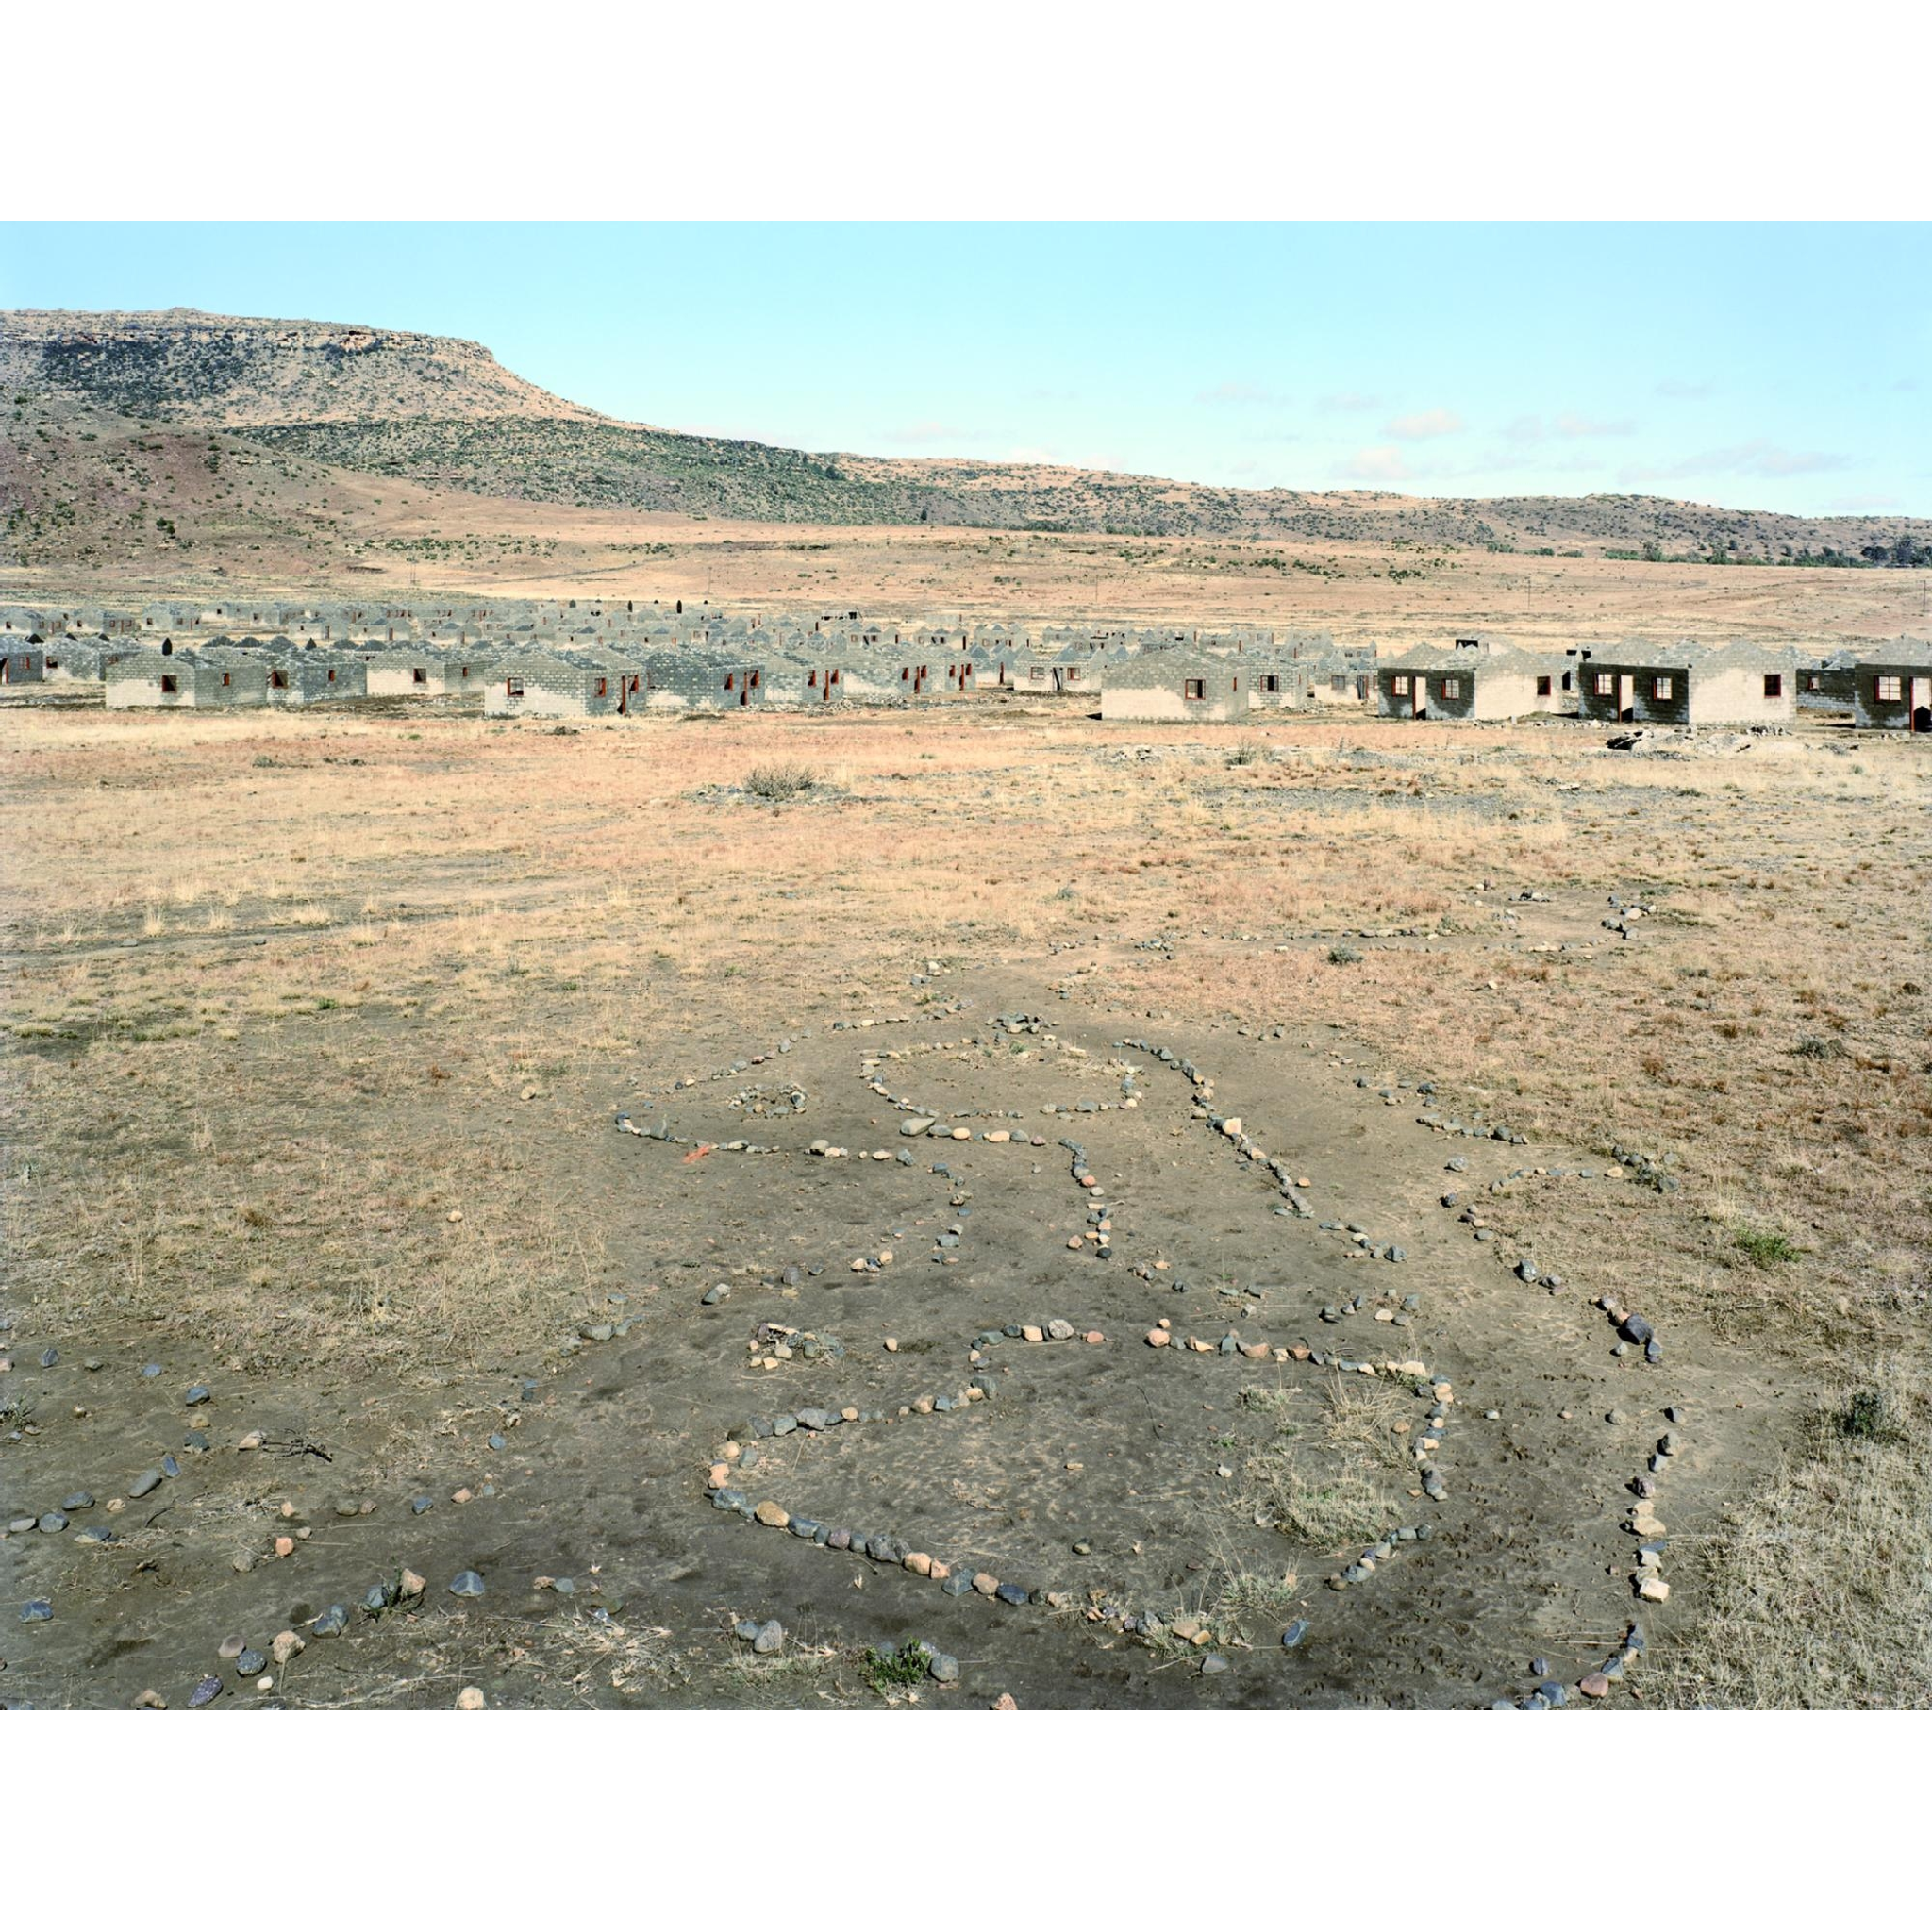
(881,1548)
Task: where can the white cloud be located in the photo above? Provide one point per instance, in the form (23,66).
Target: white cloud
(1382,464)
(1525,429)
(1424,423)
(1349,400)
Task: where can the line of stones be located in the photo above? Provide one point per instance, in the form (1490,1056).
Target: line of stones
(1647,1578)
(1231,1127)
(1423,1383)
(1633,1331)
(878,1546)
(883,1548)
(740,1450)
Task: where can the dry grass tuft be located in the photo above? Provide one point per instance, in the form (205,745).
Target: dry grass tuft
(1819,1584)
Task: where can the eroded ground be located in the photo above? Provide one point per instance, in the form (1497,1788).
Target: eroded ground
(320,1029)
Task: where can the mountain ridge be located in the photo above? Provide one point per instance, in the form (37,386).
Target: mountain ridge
(442,412)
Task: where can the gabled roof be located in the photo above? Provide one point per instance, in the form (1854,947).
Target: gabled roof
(1689,655)
(1909,651)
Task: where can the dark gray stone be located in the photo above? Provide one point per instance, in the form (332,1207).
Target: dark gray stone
(332,1622)
(466,1583)
(147,1480)
(204,1692)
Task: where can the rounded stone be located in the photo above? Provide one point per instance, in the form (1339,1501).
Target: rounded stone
(466,1583)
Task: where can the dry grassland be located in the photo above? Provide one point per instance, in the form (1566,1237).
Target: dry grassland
(283,993)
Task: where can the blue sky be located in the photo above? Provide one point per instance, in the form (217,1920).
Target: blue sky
(1764,366)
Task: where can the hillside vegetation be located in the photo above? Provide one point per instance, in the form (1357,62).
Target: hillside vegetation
(328,403)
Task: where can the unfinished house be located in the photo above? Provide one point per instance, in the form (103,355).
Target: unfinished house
(800,679)
(1077,672)
(1892,688)
(77,660)
(409,673)
(543,686)
(1829,687)
(1174,687)
(315,677)
(696,681)
(1471,678)
(22,660)
(1685,683)
(180,679)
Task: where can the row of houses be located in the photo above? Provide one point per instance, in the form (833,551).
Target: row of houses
(705,659)
(1881,686)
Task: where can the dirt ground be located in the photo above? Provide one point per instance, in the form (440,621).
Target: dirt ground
(320,1031)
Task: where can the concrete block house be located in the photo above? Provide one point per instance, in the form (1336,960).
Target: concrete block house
(1174,687)
(540,685)
(1892,687)
(698,681)
(316,677)
(1825,687)
(1470,677)
(801,677)
(78,660)
(173,680)
(415,671)
(1685,683)
(22,660)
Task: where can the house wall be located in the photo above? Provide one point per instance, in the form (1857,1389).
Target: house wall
(1390,703)
(1869,713)
(1355,686)
(399,680)
(1606,708)
(1737,697)
(198,687)
(1835,688)
(565,694)
(19,666)
(308,682)
(1700,694)
(1164,703)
